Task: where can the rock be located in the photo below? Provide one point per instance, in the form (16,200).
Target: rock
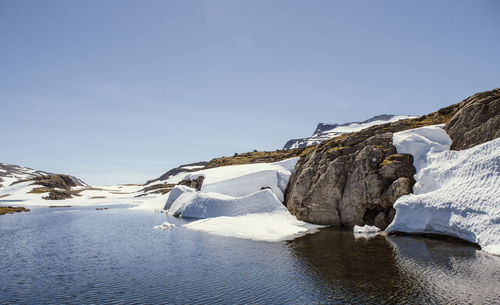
(380,220)
(353,182)
(354,179)
(196,183)
(58,195)
(476,121)
(180,169)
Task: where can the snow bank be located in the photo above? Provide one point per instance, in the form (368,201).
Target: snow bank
(206,205)
(234,203)
(151,203)
(270,227)
(457,192)
(241,180)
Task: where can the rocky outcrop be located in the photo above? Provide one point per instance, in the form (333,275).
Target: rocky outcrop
(351,185)
(354,179)
(476,121)
(195,183)
(58,186)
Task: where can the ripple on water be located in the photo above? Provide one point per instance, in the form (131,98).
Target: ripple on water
(118,257)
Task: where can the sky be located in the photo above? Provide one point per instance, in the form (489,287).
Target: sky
(122,91)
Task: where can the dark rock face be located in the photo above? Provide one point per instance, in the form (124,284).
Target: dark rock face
(477,120)
(351,185)
(354,179)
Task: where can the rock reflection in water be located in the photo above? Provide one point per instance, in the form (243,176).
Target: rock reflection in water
(398,269)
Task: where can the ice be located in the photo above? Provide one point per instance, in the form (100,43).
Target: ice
(457,192)
(365,231)
(165,225)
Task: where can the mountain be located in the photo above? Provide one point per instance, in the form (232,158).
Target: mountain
(18,180)
(10,173)
(326,132)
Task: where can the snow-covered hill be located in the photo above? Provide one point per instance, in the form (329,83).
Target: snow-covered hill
(325,132)
(10,173)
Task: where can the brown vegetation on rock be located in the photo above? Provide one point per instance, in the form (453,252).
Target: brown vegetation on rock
(11,209)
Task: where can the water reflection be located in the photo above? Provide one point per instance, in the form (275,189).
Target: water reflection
(399,269)
(84,256)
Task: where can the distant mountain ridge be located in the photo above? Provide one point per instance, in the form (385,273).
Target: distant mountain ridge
(10,173)
(325,132)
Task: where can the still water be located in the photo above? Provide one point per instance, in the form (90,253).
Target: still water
(85,256)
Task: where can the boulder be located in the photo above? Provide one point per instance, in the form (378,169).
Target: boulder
(353,182)
(477,120)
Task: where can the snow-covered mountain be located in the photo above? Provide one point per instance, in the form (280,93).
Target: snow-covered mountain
(325,132)
(10,173)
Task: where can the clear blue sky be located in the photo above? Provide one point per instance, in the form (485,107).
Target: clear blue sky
(121,91)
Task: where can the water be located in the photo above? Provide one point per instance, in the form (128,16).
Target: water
(115,256)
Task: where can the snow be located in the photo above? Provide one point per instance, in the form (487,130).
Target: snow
(95,196)
(457,193)
(365,231)
(241,180)
(271,227)
(232,202)
(206,205)
(151,203)
(193,167)
(322,136)
(177,191)
(165,225)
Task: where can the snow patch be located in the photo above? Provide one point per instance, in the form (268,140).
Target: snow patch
(165,225)
(365,231)
(457,193)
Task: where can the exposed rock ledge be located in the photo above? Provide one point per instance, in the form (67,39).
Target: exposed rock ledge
(355,179)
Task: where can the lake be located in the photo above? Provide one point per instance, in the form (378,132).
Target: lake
(86,256)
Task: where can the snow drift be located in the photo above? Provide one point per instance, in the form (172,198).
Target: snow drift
(241,180)
(240,201)
(456,193)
